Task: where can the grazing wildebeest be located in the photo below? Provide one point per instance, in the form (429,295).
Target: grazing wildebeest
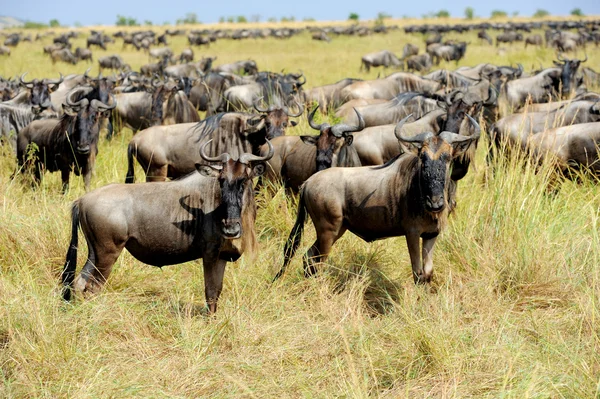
(208,215)
(247,67)
(388,87)
(409,50)
(299,157)
(328,96)
(418,63)
(83,54)
(187,55)
(517,129)
(534,40)
(573,147)
(383,58)
(483,35)
(408,196)
(170,151)
(65,144)
(64,55)
(321,36)
(114,62)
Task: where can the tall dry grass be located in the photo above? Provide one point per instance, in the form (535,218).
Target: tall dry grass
(513,310)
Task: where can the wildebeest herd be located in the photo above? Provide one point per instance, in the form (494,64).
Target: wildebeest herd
(390,166)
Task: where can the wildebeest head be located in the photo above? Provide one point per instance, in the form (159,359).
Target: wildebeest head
(84,128)
(103,87)
(568,71)
(235,180)
(40,91)
(161,95)
(277,118)
(185,83)
(331,139)
(435,153)
(458,105)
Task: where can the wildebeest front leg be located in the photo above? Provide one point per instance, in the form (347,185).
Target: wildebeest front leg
(214,270)
(64,175)
(413,242)
(428,244)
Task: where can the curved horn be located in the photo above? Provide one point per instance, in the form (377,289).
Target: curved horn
(99,105)
(24,83)
(310,120)
(79,91)
(247,158)
(398,129)
(476,126)
(521,69)
(492,96)
(256,105)
(586,58)
(300,110)
(221,158)
(339,130)
(85,74)
(55,82)
(301,76)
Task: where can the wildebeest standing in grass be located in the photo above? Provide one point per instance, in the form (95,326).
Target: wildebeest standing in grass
(67,144)
(383,58)
(171,151)
(208,214)
(408,196)
(297,158)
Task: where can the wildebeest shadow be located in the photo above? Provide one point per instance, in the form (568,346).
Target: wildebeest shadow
(381,292)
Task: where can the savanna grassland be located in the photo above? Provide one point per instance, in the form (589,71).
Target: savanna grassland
(513,311)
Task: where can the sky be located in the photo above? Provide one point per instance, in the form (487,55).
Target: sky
(69,12)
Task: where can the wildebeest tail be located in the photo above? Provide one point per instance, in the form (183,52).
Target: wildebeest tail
(68,274)
(295,237)
(130,178)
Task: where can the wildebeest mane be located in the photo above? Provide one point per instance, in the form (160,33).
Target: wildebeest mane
(208,126)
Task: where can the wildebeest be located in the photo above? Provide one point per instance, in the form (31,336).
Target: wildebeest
(65,144)
(4,50)
(447,52)
(508,37)
(96,40)
(321,36)
(572,148)
(171,106)
(328,96)
(208,215)
(483,35)
(160,53)
(114,62)
(207,93)
(297,158)
(83,54)
(187,55)
(418,63)
(277,119)
(64,55)
(383,58)
(409,49)
(408,196)
(247,67)
(534,40)
(388,87)
(134,110)
(170,151)
(38,94)
(190,69)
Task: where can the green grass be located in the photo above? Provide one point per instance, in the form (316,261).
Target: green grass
(513,311)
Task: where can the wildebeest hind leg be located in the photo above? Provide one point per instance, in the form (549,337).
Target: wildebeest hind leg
(319,251)
(96,270)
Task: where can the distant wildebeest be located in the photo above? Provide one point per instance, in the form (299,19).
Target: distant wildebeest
(447,52)
(388,87)
(296,158)
(214,211)
(508,37)
(114,62)
(483,35)
(534,40)
(170,151)
(572,148)
(160,53)
(64,55)
(328,96)
(198,40)
(418,63)
(4,50)
(383,58)
(83,54)
(190,69)
(321,36)
(247,67)
(409,49)
(96,40)
(65,144)
(187,55)
(408,196)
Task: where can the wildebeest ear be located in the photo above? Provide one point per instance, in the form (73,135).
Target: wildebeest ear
(410,147)
(258,169)
(310,140)
(207,170)
(69,111)
(293,123)
(255,123)
(52,88)
(349,139)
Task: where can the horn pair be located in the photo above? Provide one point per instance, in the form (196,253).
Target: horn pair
(244,158)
